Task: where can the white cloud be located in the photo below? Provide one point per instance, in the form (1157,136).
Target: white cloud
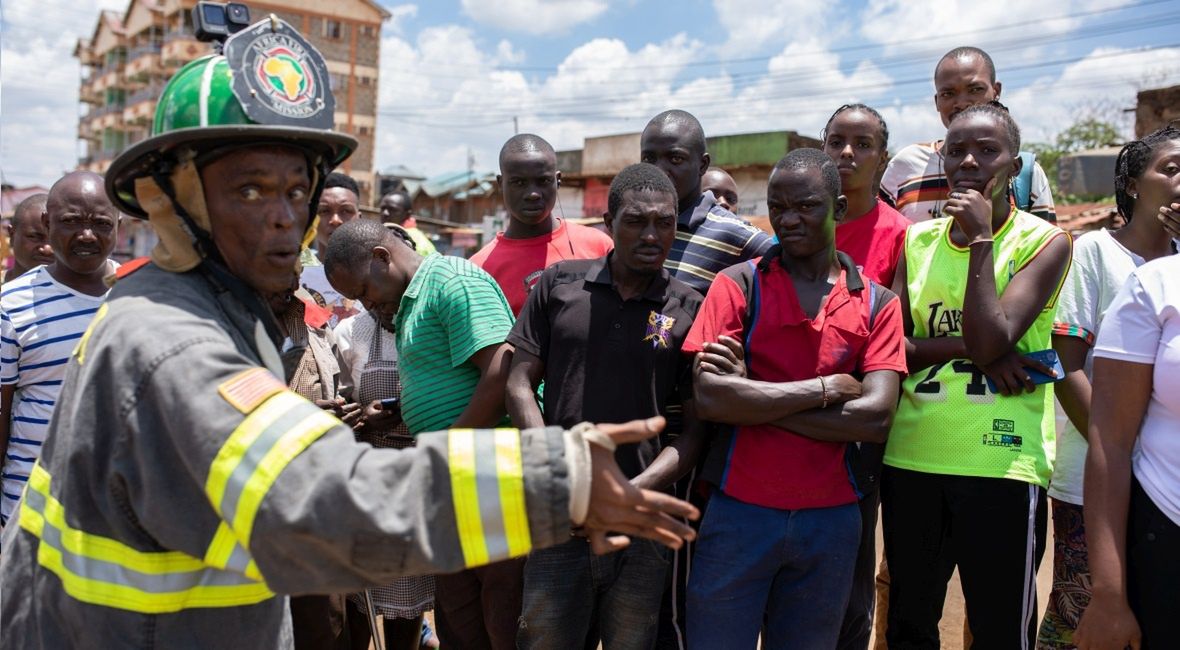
(537,17)
(39,104)
(881,19)
(398,16)
(1107,80)
(752,24)
(444,86)
(506,54)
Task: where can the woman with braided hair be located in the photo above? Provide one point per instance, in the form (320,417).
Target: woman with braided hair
(1102,262)
(1132,485)
(872,233)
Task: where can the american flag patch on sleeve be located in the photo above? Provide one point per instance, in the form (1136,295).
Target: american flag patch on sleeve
(247,389)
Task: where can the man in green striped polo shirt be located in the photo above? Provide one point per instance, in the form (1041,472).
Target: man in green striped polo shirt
(451,322)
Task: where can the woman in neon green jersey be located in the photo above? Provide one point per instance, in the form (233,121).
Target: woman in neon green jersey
(966,467)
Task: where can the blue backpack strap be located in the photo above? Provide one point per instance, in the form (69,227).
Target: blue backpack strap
(1022,184)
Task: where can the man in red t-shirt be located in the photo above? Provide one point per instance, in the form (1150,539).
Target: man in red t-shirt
(823,357)
(872,233)
(534,238)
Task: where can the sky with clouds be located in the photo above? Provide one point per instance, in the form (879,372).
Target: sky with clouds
(457,74)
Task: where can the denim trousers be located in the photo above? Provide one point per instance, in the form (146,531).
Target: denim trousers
(575,599)
(790,570)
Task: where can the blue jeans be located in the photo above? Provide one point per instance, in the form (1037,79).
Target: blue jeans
(573,598)
(789,569)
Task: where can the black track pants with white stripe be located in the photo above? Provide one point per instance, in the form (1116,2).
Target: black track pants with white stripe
(992,529)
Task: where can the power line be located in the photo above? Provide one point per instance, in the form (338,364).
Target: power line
(784,104)
(740,81)
(838,50)
(554,108)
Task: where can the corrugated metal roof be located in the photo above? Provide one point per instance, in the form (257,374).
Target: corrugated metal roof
(454,182)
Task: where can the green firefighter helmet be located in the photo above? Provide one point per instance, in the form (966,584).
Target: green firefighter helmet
(270,87)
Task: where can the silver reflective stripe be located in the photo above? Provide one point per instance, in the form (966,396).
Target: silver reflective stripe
(256,452)
(111,573)
(487,482)
(239,559)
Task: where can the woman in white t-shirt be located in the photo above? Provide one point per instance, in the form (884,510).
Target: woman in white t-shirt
(1132,485)
(1102,262)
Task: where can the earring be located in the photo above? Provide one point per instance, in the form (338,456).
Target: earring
(1134,196)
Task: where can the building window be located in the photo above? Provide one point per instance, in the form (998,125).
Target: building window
(364,130)
(333,29)
(368,31)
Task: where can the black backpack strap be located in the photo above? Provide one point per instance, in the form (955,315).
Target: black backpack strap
(748,281)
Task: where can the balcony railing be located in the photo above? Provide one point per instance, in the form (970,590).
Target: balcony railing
(181,47)
(150,92)
(140,50)
(107,109)
(97,156)
(177,35)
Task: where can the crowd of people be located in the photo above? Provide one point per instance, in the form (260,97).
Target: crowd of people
(897,345)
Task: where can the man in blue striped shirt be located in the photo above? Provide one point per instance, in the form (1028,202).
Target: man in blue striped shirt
(709,238)
(43,313)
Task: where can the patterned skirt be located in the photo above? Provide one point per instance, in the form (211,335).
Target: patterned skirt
(1071,579)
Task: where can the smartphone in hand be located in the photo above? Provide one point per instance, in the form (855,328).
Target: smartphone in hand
(390,404)
(1047,357)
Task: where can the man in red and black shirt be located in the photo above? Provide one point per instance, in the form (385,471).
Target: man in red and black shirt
(818,366)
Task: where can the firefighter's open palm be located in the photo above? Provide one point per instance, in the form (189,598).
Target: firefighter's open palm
(616,506)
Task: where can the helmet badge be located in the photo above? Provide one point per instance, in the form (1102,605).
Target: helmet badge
(281,78)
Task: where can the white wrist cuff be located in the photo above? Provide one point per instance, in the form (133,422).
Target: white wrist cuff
(577,459)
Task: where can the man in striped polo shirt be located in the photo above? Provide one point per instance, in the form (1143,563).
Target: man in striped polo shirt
(43,314)
(451,320)
(709,238)
(915,182)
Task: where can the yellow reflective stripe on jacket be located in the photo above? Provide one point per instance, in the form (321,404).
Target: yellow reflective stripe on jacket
(80,348)
(103,571)
(253,457)
(487,488)
(225,552)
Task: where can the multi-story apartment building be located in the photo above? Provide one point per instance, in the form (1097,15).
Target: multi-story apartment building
(129,58)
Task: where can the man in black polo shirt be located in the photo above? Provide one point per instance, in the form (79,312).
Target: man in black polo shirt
(605,335)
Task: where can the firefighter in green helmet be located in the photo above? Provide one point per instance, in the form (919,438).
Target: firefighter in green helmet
(183,491)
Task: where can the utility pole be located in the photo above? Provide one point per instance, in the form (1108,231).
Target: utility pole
(470,181)
(515,126)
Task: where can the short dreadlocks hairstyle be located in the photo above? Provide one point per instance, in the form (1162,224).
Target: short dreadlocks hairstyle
(863,108)
(640,176)
(806,159)
(1133,160)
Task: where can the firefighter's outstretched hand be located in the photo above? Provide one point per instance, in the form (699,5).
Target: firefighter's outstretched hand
(616,506)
